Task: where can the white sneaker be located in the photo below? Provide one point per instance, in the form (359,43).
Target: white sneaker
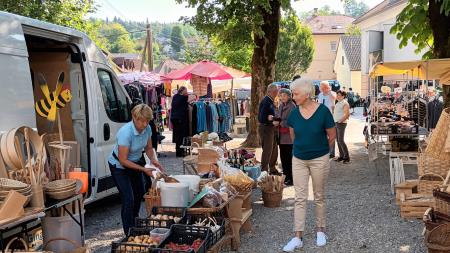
(293,244)
(321,239)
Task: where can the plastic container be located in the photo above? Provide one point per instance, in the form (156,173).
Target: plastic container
(160,232)
(123,246)
(65,227)
(83,177)
(150,223)
(174,194)
(183,234)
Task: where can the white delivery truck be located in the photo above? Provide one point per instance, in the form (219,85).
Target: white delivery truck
(99,107)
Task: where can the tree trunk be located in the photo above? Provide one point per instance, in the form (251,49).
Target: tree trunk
(263,65)
(440,25)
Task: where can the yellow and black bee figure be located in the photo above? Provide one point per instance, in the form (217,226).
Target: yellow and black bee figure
(48,106)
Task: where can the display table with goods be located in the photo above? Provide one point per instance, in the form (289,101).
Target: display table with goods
(37,194)
(202,212)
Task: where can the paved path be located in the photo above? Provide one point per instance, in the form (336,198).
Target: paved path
(362,215)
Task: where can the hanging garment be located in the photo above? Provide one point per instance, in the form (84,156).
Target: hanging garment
(201,117)
(435,108)
(214,118)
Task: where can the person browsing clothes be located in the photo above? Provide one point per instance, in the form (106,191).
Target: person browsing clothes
(312,128)
(285,140)
(127,162)
(266,130)
(179,118)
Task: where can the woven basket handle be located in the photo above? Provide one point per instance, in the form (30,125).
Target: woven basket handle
(60,239)
(13,240)
(431,174)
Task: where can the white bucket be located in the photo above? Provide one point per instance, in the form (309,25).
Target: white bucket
(174,194)
(192,180)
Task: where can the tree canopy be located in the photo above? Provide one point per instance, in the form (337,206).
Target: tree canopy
(177,39)
(295,48)
(119,40)
(355,9)
(70,13)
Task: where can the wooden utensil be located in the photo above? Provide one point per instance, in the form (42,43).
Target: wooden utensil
(30,167)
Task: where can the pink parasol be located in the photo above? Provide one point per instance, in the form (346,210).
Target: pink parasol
(209,69)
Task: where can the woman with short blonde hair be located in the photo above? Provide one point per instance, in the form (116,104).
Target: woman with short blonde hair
(127,162)
(311,126)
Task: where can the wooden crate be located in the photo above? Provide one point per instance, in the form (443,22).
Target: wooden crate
(405,190)
(415,206)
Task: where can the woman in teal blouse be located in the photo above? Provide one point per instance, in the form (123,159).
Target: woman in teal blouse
(312,128)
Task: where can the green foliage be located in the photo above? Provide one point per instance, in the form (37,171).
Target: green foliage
(119,40)
(413,26)
(352,29)
(70,13)
(203,50)
(355,9)
(177,39)
(295,48)
(234,22)
(235,57)
(323,11)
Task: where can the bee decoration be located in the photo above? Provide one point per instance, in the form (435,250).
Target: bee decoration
(52,101)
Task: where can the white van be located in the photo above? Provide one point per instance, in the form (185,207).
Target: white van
(99,106)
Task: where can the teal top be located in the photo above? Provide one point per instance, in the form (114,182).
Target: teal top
(311,139)
(128,136)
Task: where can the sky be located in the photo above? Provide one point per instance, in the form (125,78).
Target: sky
(166,11)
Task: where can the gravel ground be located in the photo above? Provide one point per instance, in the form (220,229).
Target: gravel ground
(362,215)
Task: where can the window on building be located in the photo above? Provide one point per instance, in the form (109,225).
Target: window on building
(333,45)
(342,60)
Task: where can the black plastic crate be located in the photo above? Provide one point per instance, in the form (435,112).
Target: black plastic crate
(185,234)
(214,237)
(153,223)
(124,246)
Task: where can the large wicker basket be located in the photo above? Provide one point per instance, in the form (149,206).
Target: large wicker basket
(428,164)
(438,240)
(437,143)
(272,199)
(442,202)
(429,182)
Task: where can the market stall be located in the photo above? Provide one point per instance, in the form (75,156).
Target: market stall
(404,105)
(427,197)
(203,76)
(42,183)
(207,208)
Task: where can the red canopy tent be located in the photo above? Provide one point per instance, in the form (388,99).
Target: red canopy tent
(208,69)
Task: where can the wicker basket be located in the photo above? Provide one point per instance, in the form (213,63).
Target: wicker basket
(272,199)
(152,198)
(437,142)
(438,240)
(428,182)
(442,202)
(428,164)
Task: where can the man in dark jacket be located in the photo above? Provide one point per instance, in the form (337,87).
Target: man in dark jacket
(179,119)
(266,130)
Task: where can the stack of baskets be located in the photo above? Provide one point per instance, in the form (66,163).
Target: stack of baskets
(7,185)
(62,189)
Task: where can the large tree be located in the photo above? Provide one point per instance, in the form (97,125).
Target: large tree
(119,40)
(355,9)
(177,40)
(426,23)
(237,23)
(295,48)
